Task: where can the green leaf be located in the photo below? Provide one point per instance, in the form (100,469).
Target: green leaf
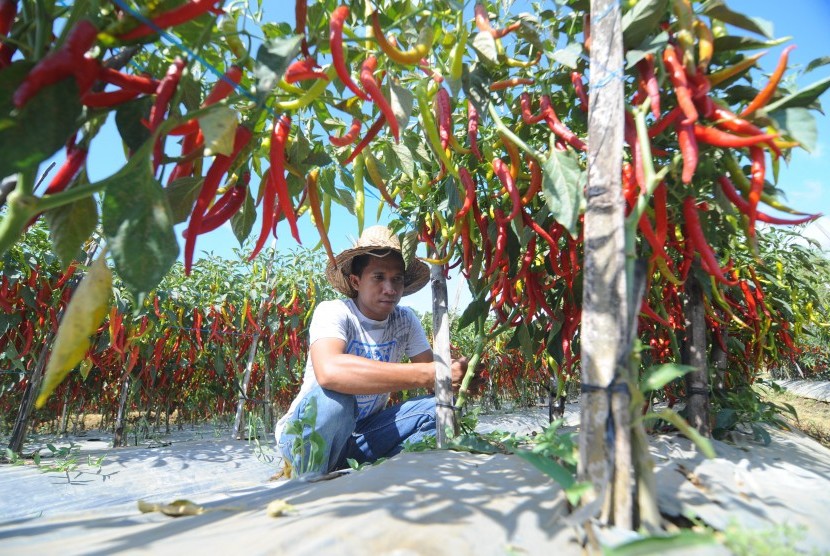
(654,45)
(405,162)
(243,221)
(569,56)
(800,125)
(562,183)
(817,63)
(642,20)
(729,43)
(485,47)
(800,99)
(409,244)
(128,120)
(70,226)
(669,415)
(181,195)
(660,375)
(718,10)
(668,544)
(401,100)
(273,58)
(138,224)
(476,84)
(472,312)
(34,133)
(549,467)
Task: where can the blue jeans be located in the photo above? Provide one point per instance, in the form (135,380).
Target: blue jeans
(364,440)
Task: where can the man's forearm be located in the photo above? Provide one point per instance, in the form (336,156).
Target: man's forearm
(352,374)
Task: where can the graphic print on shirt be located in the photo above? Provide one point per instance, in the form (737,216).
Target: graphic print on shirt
(371,403)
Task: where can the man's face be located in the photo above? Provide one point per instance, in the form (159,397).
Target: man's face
(380,287)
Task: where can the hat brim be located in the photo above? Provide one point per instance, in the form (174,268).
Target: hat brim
(416,275)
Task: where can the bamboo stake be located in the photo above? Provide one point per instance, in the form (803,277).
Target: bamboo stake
(444,415)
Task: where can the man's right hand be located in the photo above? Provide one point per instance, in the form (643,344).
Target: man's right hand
(458,369)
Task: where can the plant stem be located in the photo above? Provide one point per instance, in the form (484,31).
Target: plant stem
(512,136)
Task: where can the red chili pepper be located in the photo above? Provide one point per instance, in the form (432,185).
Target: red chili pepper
(370,135)
(742,205)
(443,112)
(190,143)
(661,124)
(227,205)
(579,88)
(302,70)
(469,193)
(164,94)
(527,114)
(279,139)
(108,99)
(483,23)
(756,187)
(765,94)
(139,83)
(269,199)
(349,137)
(557,127)
(718,138)
(688,148)
(338,18)
(649,82)
(510,83)
(69,60)
(472,129)
(372,87)
(677,74)
(75,160)
(725,119)
(503,173)
(8,11)
(221,165)
(223,87)
(694,233)
(535,181)
(300,16)
(171,18)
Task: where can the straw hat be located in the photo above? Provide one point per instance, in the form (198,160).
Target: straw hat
(377,241)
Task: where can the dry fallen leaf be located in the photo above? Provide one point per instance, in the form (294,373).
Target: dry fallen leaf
(176,508)
(279,508)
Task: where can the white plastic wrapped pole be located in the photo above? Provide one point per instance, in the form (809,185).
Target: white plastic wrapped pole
(444,415)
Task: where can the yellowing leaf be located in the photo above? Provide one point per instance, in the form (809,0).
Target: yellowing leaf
(83,315)
(219,127)
(86,366)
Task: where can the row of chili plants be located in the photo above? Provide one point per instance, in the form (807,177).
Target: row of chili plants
(478,140)
(184,350)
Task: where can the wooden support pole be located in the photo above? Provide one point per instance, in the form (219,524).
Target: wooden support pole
(444,415)
(694,354)
(604,442)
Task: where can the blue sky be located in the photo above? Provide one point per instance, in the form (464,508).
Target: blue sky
(804,180)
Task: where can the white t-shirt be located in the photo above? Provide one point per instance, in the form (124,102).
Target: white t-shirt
(387,340)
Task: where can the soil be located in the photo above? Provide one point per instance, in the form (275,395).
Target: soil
(813,415)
